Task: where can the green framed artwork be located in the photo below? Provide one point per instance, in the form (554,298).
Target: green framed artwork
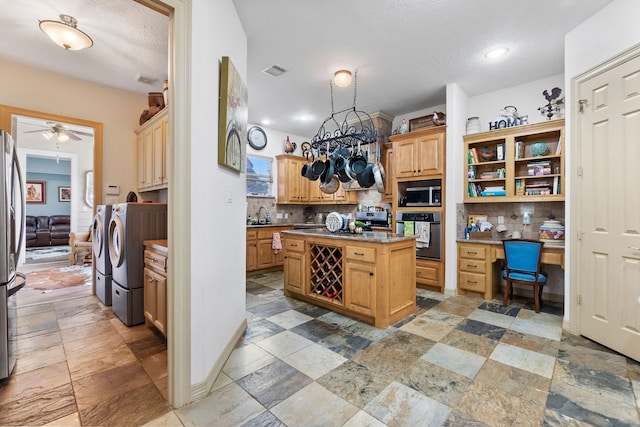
(232,120)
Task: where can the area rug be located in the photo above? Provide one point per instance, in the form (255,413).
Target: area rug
(50,254)
(58,278)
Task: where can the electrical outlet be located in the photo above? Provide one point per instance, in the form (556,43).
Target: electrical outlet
(500,219)
(526,218)
(286,216)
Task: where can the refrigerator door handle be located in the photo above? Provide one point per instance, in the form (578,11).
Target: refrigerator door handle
(16,164)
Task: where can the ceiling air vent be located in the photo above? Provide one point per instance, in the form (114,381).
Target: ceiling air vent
(275,71)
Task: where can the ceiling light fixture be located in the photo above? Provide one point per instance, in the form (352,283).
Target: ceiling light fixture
(65,33)
(494,53)
(342,78)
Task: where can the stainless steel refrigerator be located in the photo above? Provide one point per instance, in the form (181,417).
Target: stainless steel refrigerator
(12,207)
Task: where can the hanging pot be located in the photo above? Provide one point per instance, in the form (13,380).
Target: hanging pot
(340,165)
(330,187)
(378,171)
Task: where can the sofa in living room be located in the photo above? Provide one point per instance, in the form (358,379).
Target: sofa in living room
(47,230)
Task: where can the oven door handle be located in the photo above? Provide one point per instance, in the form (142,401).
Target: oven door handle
(16,288)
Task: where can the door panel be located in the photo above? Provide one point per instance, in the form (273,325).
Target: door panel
(609,260)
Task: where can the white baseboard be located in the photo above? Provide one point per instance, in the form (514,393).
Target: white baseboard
(202,389)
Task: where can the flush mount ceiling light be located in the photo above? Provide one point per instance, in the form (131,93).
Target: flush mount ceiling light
(496,52)
(342,78)
(65,33)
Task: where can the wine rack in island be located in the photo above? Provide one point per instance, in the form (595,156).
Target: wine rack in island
(326,272)
(516,164)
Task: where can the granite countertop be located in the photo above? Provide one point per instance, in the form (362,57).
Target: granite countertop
(367,236)
(559,245)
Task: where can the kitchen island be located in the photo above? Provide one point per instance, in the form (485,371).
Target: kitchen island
(369,276)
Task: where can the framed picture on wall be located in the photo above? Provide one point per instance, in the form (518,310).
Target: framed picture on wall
(233,116)
(64,194)
(36,192)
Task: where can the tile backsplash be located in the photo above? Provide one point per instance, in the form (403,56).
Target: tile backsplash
(512,212)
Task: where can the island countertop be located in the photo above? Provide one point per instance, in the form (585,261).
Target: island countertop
(365,236)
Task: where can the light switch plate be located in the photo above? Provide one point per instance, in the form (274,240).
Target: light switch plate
(526,218)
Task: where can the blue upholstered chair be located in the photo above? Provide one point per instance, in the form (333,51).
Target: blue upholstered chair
(522,265)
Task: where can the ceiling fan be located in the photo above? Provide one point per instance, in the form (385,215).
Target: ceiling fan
(61,132)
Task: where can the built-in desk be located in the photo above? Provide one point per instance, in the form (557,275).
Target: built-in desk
(478,269)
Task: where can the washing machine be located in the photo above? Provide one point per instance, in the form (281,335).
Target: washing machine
(129,226)
(100,239)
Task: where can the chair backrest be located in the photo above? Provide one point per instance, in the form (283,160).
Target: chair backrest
(522,255)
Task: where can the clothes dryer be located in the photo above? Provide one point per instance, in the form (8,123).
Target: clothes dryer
(130,225)
(100,238)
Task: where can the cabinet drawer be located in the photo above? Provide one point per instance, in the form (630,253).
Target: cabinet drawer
(428,273)
(472,282)
(252,234)
(155,260)
(267,233)
(472,265)
(361,254)
(472,251)
(294,245)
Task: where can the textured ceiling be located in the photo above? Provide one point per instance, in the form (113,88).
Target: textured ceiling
(405,51)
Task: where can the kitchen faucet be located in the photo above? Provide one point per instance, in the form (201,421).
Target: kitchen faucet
(266,217)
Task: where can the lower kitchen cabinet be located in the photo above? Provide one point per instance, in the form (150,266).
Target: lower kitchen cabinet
(155,283)
(260,253)
(430,274)
(360,273)
(294,265)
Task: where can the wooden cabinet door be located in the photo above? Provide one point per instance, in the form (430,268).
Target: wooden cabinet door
(405,155)
(360,295)
(141,169)
(148,158)
(158,153)
(294,272)
(314,192)
(160,320)
(429,160)
(266,258)
(252,255)
(149,295)
(388,159)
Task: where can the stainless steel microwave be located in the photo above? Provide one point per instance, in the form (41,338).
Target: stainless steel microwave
(422,196)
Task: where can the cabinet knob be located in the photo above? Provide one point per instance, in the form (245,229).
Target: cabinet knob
(371,273)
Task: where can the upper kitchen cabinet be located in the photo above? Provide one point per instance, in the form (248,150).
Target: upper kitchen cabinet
(516,164)
(152,152)
(293,188)
(419,153)
(389,174)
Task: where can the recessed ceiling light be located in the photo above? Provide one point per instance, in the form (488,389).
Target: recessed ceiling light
(265,122)
(275,71)
(496,52)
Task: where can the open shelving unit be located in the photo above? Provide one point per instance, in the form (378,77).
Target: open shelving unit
(517,164)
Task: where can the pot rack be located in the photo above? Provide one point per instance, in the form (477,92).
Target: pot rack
(347,128)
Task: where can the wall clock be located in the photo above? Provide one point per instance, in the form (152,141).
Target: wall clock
(257,138)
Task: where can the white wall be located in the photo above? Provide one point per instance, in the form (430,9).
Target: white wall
(275,146)
(611,31)
(218,227)
(457,107)
(119,111)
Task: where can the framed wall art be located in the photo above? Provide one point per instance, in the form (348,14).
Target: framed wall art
(36,192)
(232,120)
(64,194)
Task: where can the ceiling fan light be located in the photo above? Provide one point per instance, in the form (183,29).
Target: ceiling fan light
(63,137)
(342,78)
(65,33)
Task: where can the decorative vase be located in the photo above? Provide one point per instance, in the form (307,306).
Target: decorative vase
(165,92)
(473,125)
(552,230)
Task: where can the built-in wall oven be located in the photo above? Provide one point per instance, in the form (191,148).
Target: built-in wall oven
(427,226)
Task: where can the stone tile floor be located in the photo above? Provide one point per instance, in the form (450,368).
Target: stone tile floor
(458,361)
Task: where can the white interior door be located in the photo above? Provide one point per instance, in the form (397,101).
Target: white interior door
(608,160)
